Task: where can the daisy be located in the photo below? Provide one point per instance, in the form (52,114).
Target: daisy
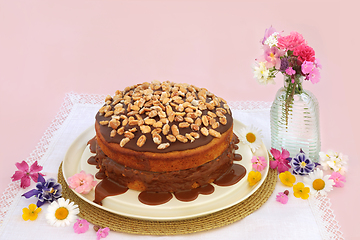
(251,136)
(62,212)
(318,183)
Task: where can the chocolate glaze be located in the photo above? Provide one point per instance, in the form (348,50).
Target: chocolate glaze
(154,198)
(150,146)
(237,157)
(106,188)
(232,176)
(192,194)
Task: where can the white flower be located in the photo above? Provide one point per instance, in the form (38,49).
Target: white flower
(251,136)
(62,212)
(334,161)
(272,39)
(318,183)
(261,73)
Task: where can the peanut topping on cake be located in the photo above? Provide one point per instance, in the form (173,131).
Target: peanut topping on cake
(161,111)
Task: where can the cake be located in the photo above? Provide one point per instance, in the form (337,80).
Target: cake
(164,137)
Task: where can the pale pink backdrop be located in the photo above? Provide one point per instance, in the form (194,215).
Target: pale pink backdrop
(50,48)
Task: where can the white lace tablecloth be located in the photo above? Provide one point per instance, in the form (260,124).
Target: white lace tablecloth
(298,219)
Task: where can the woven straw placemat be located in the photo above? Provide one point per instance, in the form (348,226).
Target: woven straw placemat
(221,218)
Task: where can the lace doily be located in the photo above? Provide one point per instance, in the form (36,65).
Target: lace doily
(320,206)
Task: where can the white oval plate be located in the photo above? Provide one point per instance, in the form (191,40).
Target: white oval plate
(127,204)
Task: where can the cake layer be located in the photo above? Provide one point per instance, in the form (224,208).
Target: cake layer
(171,181)
(170,161)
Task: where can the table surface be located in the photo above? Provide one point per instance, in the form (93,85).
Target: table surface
(48,49)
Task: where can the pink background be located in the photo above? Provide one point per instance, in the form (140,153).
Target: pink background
(50,48)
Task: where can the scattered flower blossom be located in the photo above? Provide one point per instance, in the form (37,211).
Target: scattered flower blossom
(31,213)
(281,160)
(300,191)
(338,179)
(287,178)
(301,164)
(46,191)
(251,136)
(24,173)
(82,182)
(282,197)
(62,212)
(102,233)
(319,183)
(81,226)
(258,163)
(254,177)
(335,161)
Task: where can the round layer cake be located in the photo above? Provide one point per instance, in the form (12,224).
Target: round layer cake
(164,137)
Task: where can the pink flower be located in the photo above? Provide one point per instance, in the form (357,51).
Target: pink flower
(81,226)
(304,53)
(290,71)
(282,197)
(338,179)
(271,57)
(314,76)
(24,174)
(82,182)
(307,67)
(268,33)
(290,42)
(281,160)
(102,233)
(258,163)
(317,63)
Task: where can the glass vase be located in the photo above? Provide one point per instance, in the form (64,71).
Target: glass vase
(294,120)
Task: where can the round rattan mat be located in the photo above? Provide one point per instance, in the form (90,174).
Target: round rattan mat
(221,218)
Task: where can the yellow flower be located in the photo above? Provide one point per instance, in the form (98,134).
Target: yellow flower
(300,191)
(287,178)
(254,177)
(31,213)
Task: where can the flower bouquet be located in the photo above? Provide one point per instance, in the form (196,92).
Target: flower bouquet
(289,55)
(294,113)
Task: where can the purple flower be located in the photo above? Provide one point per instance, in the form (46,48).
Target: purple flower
(268,33)
(284,64)
(24,174)
(301,164)
(46,191)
